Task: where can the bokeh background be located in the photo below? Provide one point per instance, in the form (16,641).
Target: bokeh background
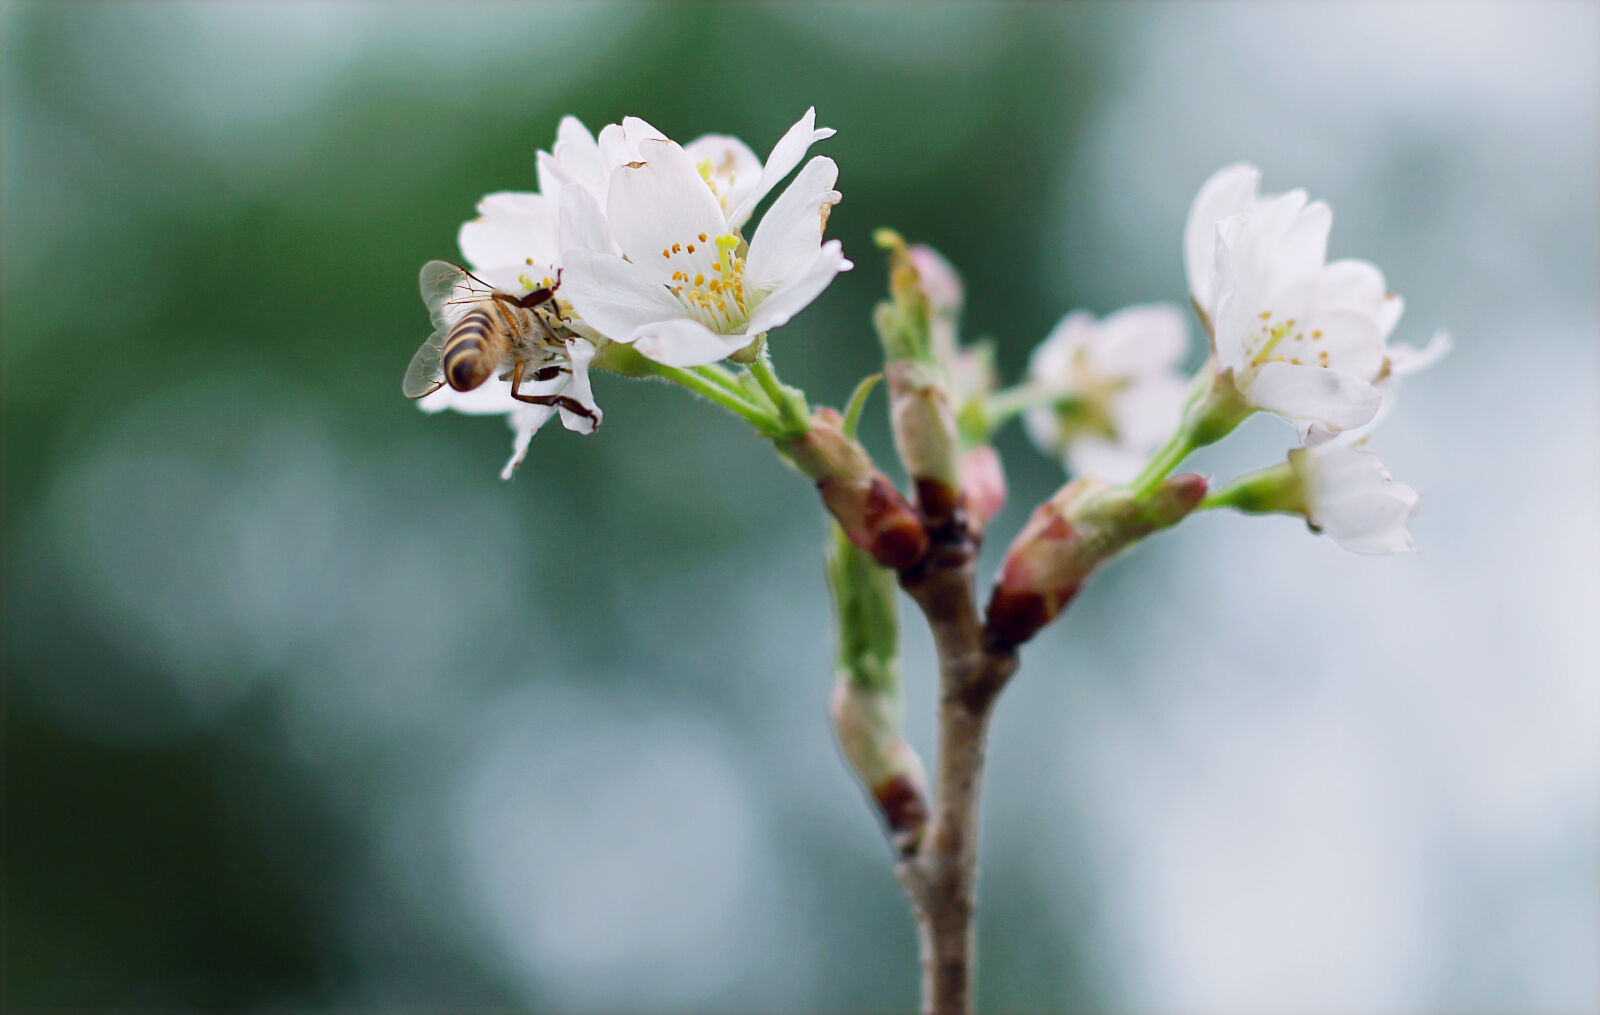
(276,736)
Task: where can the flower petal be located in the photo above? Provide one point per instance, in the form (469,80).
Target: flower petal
(582,223)
(1228,192)
(786,242)
(1408,359)
(1314,394)
(1351,284)
(1142,339)
(1052,361)
(786,154)
(798,291)
(1372,522)
(525,420)
(614,296)
(573,159)
(660,201)
(1303,248)
(1107,460)
(580,353)
(1148,411)
(686,343)
(729,166)
(619,142)
(511,228)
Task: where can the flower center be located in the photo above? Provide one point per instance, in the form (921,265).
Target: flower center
(719,177)
(1282,342)
(708,279)
(1085,409)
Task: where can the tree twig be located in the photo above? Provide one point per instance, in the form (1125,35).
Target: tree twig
(941,877)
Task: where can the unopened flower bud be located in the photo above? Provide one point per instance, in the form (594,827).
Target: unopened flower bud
(902,320)
(866,704)
(983,482)
(924,426)
(871,511)
(1069,536)
(940,281)
(868,724)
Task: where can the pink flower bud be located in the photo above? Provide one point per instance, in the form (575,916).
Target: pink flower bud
(983,481)
(1069,536)
(871,511)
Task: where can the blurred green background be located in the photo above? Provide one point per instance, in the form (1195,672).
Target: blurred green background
(276,738)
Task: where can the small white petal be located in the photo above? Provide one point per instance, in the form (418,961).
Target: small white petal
(785,244)
(511,228)
(1352,499)
(1148,411)
(1052,361)
(658,203)
(1103,459)
(1407,359)
(1352,284)
(1304,246)
(731,165)
(573,161)
(1228,192)
(580,353)
(582,224)
(684,343)
(786,154)
(1043,427)
(1314,394)
(798,291)
(525,420)
(614,296)
(1146,338)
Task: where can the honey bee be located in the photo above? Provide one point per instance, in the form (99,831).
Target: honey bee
(481,331)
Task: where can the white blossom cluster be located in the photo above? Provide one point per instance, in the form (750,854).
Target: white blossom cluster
(1290,332)
(646,238)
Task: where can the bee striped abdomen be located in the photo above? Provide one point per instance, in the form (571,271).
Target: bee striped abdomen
(473,350)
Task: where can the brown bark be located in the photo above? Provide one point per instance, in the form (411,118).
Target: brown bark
(941,877)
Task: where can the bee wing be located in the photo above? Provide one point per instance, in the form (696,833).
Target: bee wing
(425,375)
(442,283)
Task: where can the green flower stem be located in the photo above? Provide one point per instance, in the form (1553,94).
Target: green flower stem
(730,399)
(1002,406)
(1214,410)
(792,413)
(720,376)
(1167,459)
(1276,489)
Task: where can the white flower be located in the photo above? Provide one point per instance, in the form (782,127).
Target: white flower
(1120,395)
(680,282)
(567,388)
(1301,337)
(1350,497)
(1402,361)
(493,398)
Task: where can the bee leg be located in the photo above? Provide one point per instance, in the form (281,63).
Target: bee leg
(546,373)
(538,296)
(572,405)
